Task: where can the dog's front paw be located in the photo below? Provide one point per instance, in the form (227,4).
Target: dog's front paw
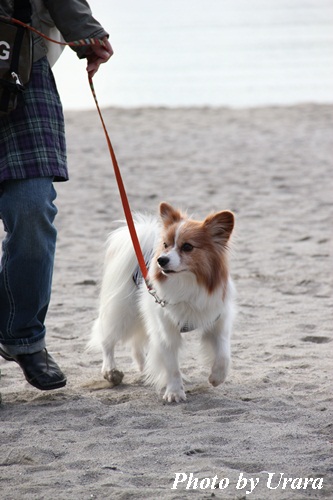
(174,395)
(219,371)
(113,376)
(215,380)
(217,377)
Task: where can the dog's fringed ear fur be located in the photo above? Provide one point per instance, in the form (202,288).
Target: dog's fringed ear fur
(169,215)
(220,225)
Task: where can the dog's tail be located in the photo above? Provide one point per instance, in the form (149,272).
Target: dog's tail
(121,266)
(121,276)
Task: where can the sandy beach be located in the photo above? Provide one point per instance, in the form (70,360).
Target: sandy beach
(273,168)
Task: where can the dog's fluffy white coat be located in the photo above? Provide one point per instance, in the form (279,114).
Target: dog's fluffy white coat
(196,296)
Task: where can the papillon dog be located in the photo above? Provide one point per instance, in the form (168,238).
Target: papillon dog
(189,276)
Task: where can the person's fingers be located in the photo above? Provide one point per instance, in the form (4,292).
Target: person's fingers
(98,54)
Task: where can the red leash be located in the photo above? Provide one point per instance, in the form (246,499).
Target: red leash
(122,191)
(126,206)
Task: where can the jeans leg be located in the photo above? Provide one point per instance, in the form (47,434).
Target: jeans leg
(27,212)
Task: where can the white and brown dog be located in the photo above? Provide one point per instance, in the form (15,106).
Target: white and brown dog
(188,269)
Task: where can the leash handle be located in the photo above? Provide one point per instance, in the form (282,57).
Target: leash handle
(122,191)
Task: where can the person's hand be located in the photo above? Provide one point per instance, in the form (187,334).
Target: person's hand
(97,55)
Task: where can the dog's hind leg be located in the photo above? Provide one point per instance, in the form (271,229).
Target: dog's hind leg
(104,337)
(109,369)
(139,343)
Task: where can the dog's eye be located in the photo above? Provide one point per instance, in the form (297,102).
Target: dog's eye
(187,247)
(165,245)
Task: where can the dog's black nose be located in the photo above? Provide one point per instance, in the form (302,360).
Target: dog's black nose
(163,261)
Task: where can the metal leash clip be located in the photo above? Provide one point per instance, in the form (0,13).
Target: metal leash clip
(153,292)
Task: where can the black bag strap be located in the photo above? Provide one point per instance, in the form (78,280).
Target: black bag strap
(22,11)
(16,49)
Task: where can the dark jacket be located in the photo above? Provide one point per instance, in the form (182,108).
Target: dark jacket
(73,18)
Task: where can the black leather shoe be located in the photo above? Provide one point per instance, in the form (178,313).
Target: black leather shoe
(39,369)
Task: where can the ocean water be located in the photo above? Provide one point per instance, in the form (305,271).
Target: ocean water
(237,53)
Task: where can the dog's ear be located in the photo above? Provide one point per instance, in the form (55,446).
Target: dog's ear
(220,225)
(169,215)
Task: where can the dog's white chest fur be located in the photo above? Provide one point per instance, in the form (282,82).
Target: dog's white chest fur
(185,305)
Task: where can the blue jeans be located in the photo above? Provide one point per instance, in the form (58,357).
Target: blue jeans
(27,212)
